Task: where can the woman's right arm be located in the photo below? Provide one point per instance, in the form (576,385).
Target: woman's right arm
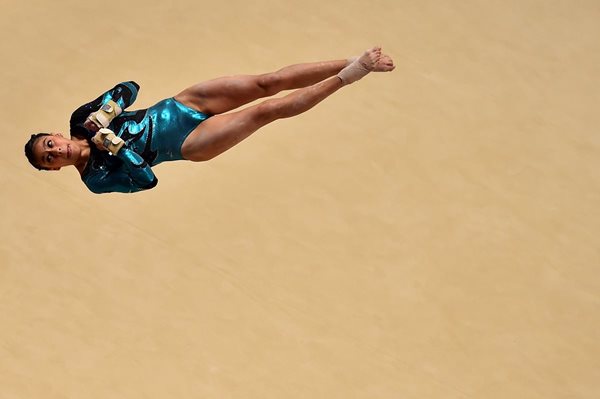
(124,94)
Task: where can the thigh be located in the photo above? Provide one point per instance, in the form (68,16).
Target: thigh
(219,133)
(224,94)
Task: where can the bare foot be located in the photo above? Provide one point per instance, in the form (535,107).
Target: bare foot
(385,64)
(360,67)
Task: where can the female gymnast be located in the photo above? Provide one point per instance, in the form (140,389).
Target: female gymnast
(114,150)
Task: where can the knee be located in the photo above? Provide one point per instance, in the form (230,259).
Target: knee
(201,157)
(198,153)
(270,83)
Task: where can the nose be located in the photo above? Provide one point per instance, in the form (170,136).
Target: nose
(56,151)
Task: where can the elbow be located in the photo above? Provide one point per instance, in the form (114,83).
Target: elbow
(134,84)
(151,185)
(97,190)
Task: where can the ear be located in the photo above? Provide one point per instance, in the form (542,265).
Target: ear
(58,134)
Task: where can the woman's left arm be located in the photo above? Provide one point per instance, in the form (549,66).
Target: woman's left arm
(134,174)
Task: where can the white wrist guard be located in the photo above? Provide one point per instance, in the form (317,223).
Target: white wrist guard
(109,140)
(106,114)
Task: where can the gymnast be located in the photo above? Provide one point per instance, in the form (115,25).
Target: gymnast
(114,150)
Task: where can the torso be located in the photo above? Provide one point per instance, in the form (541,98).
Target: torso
(157,133)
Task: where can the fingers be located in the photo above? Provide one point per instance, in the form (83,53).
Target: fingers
(91,126)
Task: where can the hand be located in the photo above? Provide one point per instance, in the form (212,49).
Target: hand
(98,143)
(90,125)
(107,140)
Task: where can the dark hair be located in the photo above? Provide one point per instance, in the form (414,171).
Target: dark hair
(29,150)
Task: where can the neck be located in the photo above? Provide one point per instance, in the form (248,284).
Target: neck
(84,155)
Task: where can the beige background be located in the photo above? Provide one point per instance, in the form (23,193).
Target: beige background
(430,233)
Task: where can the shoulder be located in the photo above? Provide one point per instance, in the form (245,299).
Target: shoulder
(130,84)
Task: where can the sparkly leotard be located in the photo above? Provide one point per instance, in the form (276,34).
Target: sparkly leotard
(151,136)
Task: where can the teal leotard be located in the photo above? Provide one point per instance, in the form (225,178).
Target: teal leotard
(151,136)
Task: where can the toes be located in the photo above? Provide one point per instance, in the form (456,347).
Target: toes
(386,60)
(374,50)
(373,59)
(385,64)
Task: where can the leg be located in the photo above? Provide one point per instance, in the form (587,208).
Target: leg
(227,93)
(221,132)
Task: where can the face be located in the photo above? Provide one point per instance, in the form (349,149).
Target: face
(55,151)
